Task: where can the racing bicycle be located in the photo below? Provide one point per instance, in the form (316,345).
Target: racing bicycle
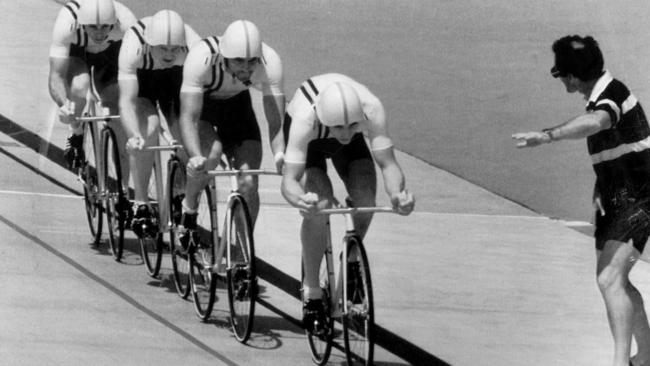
(198,267)
(347,294)
(100,173)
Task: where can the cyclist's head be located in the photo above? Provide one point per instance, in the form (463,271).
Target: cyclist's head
(241,40)
(339,105)
(96,13)
(578,56)
(166,29)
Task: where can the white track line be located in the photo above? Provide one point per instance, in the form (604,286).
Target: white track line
(287,207)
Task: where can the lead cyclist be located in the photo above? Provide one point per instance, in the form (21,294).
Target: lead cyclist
(330,117)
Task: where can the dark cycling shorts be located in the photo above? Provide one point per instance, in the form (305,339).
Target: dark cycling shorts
(234,119)
(328,147)
(104,63)
(163,87)
(630,221)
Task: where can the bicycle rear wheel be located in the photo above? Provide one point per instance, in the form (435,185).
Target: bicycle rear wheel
(320,345)
(240,273)
(114,194)
(358,320)
(203,280)
(180,259)
(151,242)
(90,181)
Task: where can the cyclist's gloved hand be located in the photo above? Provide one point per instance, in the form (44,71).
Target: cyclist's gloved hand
(403,202)
(196,166)
(135,143)
(66,112)
(308,204)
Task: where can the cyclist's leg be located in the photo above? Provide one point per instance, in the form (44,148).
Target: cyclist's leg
(355,166)
(211,149)
(313,232)
(171,116)
(248,155)
(142,161)
(79,80)
(110,96)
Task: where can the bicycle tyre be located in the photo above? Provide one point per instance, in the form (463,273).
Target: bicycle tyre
(88,174)
(359,320)
(203,280)
(241,273)
(180,258)
(320,346)
(114,194)
(151,247)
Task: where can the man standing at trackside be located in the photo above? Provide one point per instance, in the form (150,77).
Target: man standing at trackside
(618,141)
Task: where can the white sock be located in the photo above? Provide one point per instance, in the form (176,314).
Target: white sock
(186,209)
(312,293)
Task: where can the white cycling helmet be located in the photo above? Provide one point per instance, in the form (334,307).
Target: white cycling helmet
(96,12)
(339,104)
(166,29)
(241,40)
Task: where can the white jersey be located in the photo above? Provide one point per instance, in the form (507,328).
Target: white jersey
(305,126)
(205,72)
(68,34)
(136,55)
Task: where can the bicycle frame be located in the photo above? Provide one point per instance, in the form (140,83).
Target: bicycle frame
(227,171)
(165,219)
(341,307)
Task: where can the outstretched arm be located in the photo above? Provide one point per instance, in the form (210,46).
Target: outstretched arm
(577,128)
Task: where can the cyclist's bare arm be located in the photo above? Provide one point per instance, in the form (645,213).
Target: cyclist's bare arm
(390,170)
(57,79)
(291,187)
(191,105)
(128,97)
(394,182)
(274,111)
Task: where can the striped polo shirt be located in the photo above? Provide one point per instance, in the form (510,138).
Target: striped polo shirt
(620,154)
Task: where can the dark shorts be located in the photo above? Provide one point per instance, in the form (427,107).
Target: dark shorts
(104,63)
(318,151)
(233,118)
(162,87)
(630,220)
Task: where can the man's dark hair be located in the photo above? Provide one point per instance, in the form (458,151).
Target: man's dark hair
(578,56)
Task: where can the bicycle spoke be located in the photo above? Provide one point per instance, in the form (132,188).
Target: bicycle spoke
(90,182)
(358,321)
(241,274)
(180,259)
(114,200)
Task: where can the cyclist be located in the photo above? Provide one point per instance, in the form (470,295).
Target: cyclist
(150,75)
(329,117)
(86,34)
(216,111)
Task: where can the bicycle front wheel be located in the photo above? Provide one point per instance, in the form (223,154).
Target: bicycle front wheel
(90,181)
(358,317)
(114,197)
(320,345)
(151,241)
(240,272)
(203,279)
(175,195)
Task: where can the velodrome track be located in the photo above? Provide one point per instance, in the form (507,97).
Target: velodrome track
(469,279)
